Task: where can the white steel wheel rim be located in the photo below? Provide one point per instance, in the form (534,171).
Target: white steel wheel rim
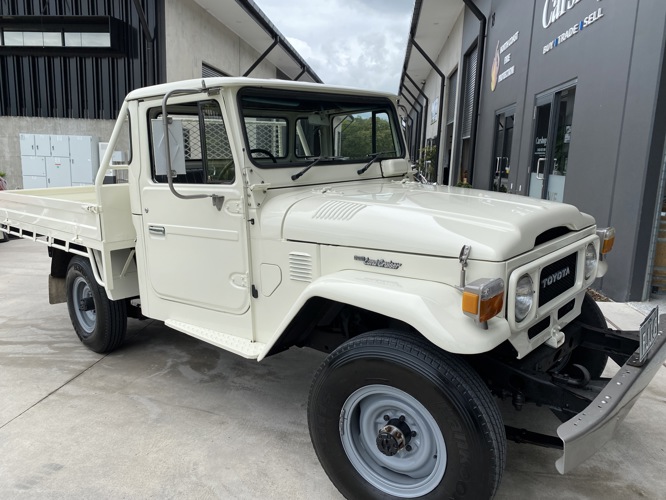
(407,474)
(86,319)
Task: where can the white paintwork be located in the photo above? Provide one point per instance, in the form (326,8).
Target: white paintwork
(34,165)
(62,160)
(58,172)
(27,144)
(432,308)
(84,159)
(34,181)
(59,145)
(42,145)
(433,220)
(240,346)
(294,240)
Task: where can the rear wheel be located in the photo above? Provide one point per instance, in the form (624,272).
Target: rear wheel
(100,323)
(391,416)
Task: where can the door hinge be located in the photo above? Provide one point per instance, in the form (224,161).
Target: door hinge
(93,209)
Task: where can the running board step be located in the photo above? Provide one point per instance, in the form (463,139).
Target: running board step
(238,345)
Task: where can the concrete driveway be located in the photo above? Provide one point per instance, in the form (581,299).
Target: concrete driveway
(168,416)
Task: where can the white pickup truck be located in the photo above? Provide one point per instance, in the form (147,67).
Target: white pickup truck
(258,215)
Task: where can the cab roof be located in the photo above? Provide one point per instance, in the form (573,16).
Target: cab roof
(238,82)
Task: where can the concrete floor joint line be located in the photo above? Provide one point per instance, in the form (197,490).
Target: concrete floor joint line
(50,393)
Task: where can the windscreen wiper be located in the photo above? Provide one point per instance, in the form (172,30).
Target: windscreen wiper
(300,174)
(373,157)
(316,160)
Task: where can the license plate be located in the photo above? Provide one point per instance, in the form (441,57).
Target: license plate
(648,332)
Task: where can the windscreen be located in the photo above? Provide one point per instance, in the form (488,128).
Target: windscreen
(287,128)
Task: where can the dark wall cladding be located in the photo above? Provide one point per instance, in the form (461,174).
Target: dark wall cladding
(81,85)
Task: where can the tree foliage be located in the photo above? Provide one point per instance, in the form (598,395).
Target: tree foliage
(356,140)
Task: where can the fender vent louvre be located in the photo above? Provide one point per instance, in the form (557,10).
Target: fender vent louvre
(300,267)
(338,210)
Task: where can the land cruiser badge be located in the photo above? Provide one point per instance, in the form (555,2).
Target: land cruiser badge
(386,264)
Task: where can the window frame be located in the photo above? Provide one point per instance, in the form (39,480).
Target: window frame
(373,104)
(63,25)
(174,109)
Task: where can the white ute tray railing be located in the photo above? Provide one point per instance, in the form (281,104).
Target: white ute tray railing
(70,217)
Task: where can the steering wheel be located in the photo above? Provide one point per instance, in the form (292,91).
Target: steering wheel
(264,152)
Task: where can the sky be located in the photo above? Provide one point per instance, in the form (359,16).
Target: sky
(357,43)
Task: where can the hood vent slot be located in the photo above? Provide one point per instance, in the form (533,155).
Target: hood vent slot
(300,267)
(551,235)
(338,210)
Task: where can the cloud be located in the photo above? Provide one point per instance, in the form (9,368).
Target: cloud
(358,43)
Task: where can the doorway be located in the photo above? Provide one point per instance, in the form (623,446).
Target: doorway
(501,164)
(553,121)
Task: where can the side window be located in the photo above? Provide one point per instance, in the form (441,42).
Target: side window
(198,143)
(267,137)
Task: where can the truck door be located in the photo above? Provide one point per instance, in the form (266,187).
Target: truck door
(196,249)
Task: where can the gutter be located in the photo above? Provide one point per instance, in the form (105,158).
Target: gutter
(255,13)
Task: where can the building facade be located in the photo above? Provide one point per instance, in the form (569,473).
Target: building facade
(66,66)
(556,99)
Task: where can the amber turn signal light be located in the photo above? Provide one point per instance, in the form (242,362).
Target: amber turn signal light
(483,299)
(606,239)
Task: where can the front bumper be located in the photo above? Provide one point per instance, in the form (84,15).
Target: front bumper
(584,434)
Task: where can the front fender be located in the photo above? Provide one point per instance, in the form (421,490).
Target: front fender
(433,309)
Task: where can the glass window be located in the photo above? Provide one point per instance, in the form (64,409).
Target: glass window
(307,138)
(95,40)
(14,38)
(550,149)
(53,39)
(502,158)
(198,143)
(33,39)
(73,39)
(267,137)
(331,127)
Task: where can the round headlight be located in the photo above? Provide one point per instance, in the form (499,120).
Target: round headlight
(524,297)
(590,260)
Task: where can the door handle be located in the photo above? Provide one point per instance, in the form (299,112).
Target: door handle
(157,230)
(542,162)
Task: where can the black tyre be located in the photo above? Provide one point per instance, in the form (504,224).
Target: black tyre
(391,416)
(594,361)
(99,322)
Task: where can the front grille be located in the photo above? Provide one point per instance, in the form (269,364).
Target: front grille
(538,328)
(566,309)
(557,278)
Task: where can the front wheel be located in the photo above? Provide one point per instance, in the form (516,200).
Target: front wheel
(391,416)
(99,322)
(593,361)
